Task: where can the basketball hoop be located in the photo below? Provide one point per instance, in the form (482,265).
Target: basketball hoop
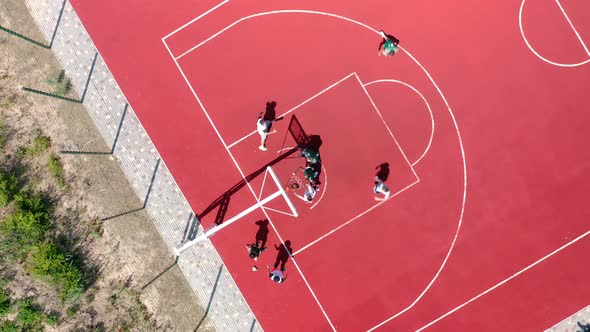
(294,183)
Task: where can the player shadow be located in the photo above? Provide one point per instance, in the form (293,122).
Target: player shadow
(284,252)
(262,233)
(270,114)
(382,171)
(222,202)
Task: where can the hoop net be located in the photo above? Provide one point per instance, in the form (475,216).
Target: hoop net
(294,183)
(297,132)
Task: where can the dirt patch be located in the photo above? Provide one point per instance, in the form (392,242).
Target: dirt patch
(136,284)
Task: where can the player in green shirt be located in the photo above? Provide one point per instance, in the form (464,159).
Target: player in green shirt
(389,45)
(309,173)
(310,155)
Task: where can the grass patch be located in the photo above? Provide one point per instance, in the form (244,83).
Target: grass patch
(8,326)
(59,268)
(39,145)
(52,318)
(8,188)
(25,227)
(28,223)
(5,303)
(8,101)
(29,317)
(61,85)
(56,170)
(72,310)
(3,134)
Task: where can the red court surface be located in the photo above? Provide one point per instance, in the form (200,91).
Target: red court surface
(482,118)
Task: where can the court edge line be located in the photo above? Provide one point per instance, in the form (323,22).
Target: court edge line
(354,218)
(460,223)
(194,20)
(427,106)
(505,280)
(297,106)
(251,189)
(214,128)
(573,28)
(450,113)
(535,52)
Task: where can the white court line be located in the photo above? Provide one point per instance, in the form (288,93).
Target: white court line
(325,183)
(270,13)
(278,211)
(462,202)
(262,186)
(535,52)
(427,105)
(354,218)
(296,107)
(194,20)
(249,186)
(505,280)
(573,28)
(324,187)
(386,126)
(452,118)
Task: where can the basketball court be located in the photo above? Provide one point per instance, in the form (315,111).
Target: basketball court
(480,119)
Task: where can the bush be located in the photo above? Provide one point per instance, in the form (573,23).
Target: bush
(39,145)
(4,303)
(61,85)
(29,222)
(59,269)
(29,317)
(8,188)
(52,318)
(56,170)
(26,226)
(8,326)
(26,201)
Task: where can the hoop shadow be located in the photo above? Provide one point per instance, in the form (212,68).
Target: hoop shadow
(222,202)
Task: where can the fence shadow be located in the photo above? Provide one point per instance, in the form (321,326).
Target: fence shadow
(112,151)
(210,298)
(30,40)
(145,200)
(160,274)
